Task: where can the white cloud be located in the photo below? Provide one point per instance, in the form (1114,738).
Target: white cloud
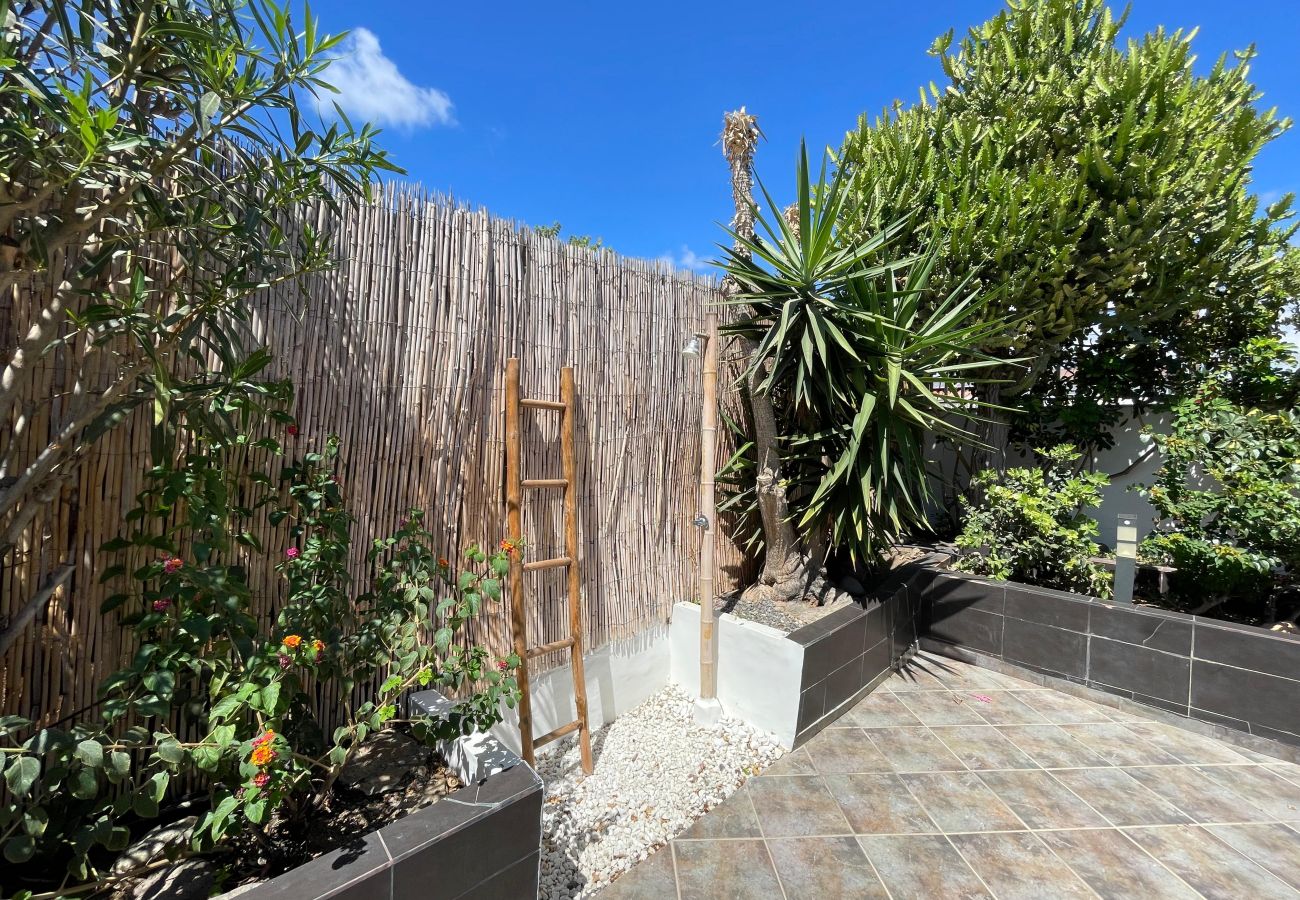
(686,259)
(371,88)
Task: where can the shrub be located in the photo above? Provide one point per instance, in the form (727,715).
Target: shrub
(1027,526)
(1228,497)
(1099,189)
(212,691)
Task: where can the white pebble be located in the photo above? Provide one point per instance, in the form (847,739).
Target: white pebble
(655,764)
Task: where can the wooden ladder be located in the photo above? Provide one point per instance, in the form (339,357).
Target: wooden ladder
(515,486)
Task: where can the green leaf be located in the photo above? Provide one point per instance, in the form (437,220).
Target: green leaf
(19,849)
(83,784)
(171,751)
(91,753)
(21,774)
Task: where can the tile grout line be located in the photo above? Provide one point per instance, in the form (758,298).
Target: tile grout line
(762,835)
(938,832)
(672,855)
(1159,862)
(962,856)
(1259,865)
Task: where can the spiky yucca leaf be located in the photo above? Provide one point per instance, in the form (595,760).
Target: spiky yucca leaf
(864,364)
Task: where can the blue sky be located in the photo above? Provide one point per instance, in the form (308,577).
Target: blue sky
(605,116)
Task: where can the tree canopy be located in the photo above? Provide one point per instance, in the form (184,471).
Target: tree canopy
(1099,193)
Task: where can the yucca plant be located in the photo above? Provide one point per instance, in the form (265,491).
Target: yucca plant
(863,366)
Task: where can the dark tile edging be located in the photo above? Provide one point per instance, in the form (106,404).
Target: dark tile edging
(1229,734)
(848,653)
(1237,676)
(477,839)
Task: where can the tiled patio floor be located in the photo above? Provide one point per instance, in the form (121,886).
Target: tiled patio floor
(953,781)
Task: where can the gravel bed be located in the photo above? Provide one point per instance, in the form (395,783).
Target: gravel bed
(656,772)
(765,612)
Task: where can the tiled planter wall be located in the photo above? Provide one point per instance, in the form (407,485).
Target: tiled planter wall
(1232,675)
(478,843)
(849,652)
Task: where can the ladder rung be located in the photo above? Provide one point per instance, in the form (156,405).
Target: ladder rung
(542,404)
(545,482)
(557,733)
(556,563)
(543,649)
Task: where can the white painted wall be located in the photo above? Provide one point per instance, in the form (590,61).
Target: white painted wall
(620,675)
(759,671)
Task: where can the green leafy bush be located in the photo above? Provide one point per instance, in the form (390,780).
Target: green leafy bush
(211,691)
(1097,186)
(1228,497)
(1027,526)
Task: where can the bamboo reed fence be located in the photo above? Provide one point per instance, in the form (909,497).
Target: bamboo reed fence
(401,352)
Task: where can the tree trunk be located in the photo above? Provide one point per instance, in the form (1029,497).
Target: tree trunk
(789,572)
(993,431)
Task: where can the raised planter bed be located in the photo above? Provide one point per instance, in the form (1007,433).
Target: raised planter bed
(795,684)
(1238,676)
(482,841)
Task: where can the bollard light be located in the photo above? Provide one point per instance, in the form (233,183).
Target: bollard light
(1126,551)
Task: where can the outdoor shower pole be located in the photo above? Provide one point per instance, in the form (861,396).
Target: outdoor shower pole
(707,709)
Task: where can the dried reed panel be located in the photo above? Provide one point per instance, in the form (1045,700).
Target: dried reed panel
(401,352)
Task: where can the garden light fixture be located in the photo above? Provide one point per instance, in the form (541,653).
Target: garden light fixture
(1126,544)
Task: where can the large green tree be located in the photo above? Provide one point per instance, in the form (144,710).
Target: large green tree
(156,157)
(1100,192)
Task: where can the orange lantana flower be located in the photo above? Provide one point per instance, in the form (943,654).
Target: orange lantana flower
(262,755)
(292,641)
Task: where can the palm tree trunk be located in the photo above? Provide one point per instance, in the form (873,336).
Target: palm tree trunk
(789,573)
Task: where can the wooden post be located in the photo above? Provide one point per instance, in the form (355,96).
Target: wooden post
(568,398)
(515,526)
(708,509)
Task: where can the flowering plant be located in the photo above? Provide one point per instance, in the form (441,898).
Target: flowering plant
(213,691)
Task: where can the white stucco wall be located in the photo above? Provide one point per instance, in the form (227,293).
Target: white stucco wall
(759,671)
(619,675)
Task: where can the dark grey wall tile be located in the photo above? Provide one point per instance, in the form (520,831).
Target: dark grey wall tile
(877,622)
(517,881)
(1169,632)
(1286,737)
(816,664)
(1045,648)
(1173,706)
(486,845)
(1206,715)
(1252,696)
(1055,608)
(815,631)
(843,683)
(877,661)
(847,642)
(1254,649)
(968,627)
(377,886)
(1135,668)
(812,703)
(964,592)
(920,580)
(339,873)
